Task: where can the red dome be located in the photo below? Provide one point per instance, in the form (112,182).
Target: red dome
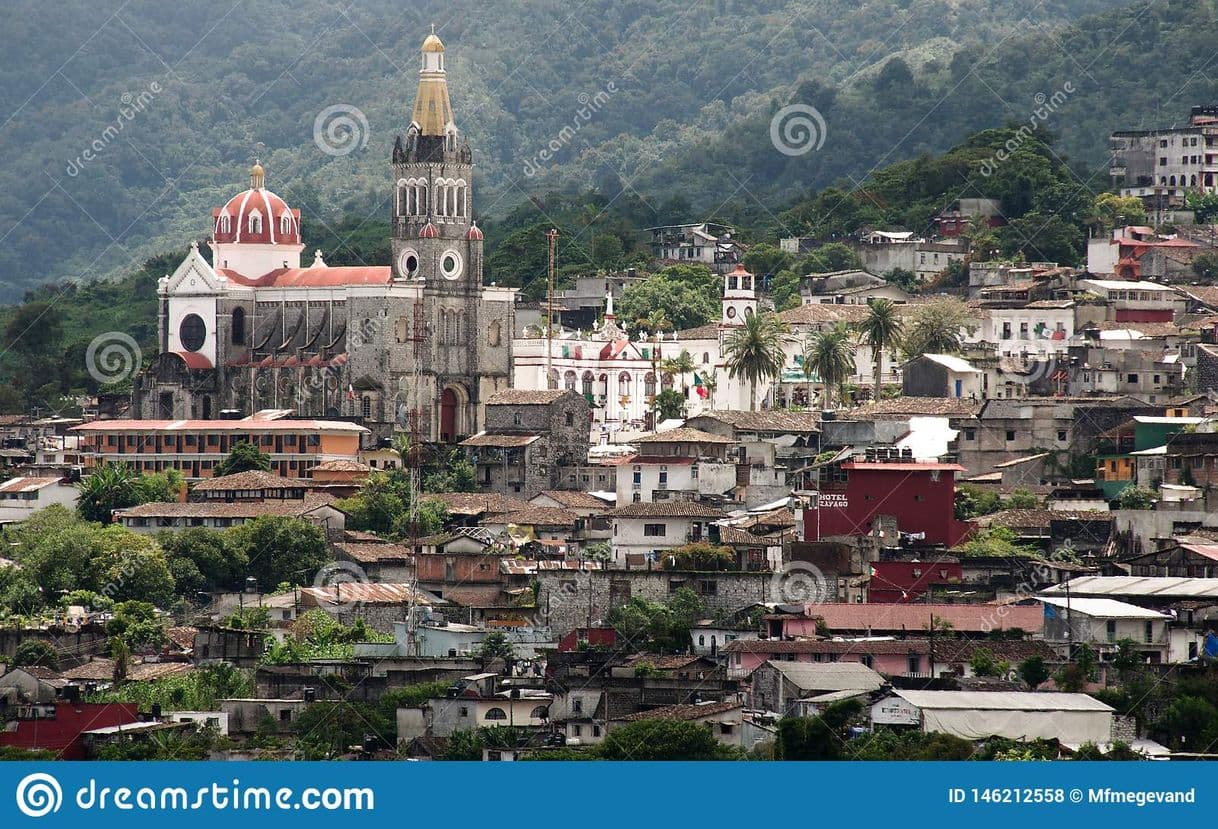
(428,231)
(256,217)
(474,234)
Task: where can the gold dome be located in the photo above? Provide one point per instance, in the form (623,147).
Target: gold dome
(257,176)
(433,44)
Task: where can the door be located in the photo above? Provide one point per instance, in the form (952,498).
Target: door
(448,415)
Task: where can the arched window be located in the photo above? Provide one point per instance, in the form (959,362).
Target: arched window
(441,198)
(421,199)
(705,357)
(649,385)
(623,383)
(458,319)
(365,407)
(238,335)
(403,198)
(701,640)
(255,222)
(1192,181)
(568,381)
(226,223)
(493,333)
(496,714)
(604,385)
(540,713)
(587,384)
(285,224)
(552,381)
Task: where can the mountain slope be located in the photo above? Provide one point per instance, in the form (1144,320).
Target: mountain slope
(123,126)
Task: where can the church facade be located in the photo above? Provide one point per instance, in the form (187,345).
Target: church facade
(418,345)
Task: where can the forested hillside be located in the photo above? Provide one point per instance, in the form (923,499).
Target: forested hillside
(120,135)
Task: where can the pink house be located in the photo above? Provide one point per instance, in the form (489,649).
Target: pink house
(877,619)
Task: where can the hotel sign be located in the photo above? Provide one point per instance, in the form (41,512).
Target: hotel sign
(834,500)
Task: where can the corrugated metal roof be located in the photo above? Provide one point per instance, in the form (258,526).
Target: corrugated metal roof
(1104,608)
(1152,586)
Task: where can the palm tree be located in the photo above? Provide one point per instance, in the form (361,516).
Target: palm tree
(831,354)
(710,382)
(109,486)
(679,366)
(807,370)
(935,327)
(881,329)
(754,351)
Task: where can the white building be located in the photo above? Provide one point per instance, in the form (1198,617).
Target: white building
(1016,715)
(677,464)
(646,530)
(22,496)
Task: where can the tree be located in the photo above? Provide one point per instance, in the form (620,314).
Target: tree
(817,738)
(121,654)
(243,457)
(36,652)
(210,554)
(496,645)
(379,504)
(765,260)
(135,624)
(754,352)
(983,663)
(1205,266)
(700,555)
(1190,724)
(905,279)
(1137,497)
(831,354)
(995,542)
(129,565)
(784,290)
(656,739)
(1111,211)
(669,404)
(1022,499)
(828,258)
(687,294)
(662,627)
(110,486)
(325,729)
(881,329)
(972,501)
(1080,671)
(934,327)
(280,549)
(678,366)
(1126,660)
(1033,671)
(894,75)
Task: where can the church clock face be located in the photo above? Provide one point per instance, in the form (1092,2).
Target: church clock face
(192,332)
(450,264)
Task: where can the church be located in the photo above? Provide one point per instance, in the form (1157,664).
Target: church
(418,345)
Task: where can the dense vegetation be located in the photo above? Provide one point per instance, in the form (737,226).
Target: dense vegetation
(205,86)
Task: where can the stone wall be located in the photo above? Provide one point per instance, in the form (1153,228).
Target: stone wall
(566,601)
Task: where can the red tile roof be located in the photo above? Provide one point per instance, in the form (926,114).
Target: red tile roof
(319,277)
(964,618)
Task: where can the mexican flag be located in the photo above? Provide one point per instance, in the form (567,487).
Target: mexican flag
(698,385)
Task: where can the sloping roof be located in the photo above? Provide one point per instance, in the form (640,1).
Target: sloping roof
(1103,608)
(499,440)
(1040,518)
(709,331)
(28,483)
(902,407)
(249,480)
(1002,701)
(371,553)
(683,434)
(574,499)
(478,503)
(526,397)
(342,466)
(818,313)
(768,421)
(952,363)
(1143,587)
(226,509)
(665,509)
(543,516)
(363,593)
(736,537)
(664,661)
(830,676)
(683,712)
(964,618)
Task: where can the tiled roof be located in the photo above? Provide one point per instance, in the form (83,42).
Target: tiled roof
(901,407)
(769,421)
(257,426)
(102,670)
(470,595)
(575,499)
(702,332)
(1021,518)
(224,509)
(683,434)
(372,553)
(734,536)
(947,649)
(182,635)
(964,618)
(683,712)
(663,661)
(250,479)
(363,593)
(665,509)
(543,516)
(499,440)
(341,466)
(478,503)
(526,397)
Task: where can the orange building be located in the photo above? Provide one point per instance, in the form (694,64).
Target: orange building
(194,447)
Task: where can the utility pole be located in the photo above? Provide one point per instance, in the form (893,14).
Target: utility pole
(551,278)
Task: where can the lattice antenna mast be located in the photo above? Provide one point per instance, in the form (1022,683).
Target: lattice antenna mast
(551,279)
(414,458)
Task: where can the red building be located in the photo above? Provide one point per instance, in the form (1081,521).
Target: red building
(896,582)
(921,496)
(59,727)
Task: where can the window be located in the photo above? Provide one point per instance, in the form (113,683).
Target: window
(285,714)
(570,419)
(1111,630)
(1133,378)
(1061,434)
(192,332)
(1149,633)
(577,706)
(1010,434)
(517,420)
(654,530)
(496,714)
(867,659)
(539,713)
(238,332)
(970,434)
(708,587)
(596,731)
(913,664)
(576,730)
